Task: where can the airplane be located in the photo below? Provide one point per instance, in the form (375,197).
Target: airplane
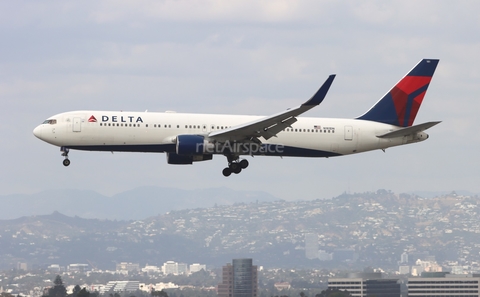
(188,138)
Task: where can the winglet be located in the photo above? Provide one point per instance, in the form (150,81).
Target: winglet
(321,93)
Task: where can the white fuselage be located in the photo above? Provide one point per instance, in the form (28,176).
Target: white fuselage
(157,132)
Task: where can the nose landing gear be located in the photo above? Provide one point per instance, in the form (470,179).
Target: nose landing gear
(234,166)
(65,151)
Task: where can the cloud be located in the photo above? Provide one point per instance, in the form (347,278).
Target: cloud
(236,57)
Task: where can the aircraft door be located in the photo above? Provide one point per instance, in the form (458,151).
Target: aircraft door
(77,124)
(348,133)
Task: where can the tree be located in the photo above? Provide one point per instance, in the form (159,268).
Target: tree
(161,293)
(83,293)
(75,291)
(333,293)
(58,290)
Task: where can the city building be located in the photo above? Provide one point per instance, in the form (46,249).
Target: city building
(311,245)
(195,267)
(404,269)
(324,256)
(22,266)
(282,286)
(170,267)
(366,284)
(158,286)
(121,286)
(239,279)
(182,268)
(151,269)
(55,268)
(77,268)
(128,266)
(457,270)
(443,285)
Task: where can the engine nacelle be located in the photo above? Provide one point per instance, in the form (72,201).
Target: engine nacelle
(190,145)
(176,159)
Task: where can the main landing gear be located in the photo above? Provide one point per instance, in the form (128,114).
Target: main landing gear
(65,151)
(234,166)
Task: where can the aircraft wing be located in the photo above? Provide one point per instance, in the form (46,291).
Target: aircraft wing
(409,130)
(270,126)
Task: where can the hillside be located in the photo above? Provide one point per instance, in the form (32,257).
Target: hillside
(358,230)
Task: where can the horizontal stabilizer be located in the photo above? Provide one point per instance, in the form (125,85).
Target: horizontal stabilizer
(409,130)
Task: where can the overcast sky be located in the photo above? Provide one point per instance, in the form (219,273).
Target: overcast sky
(237,57)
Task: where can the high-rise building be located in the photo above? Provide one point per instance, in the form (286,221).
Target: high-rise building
(170,267)
(404,258)
(182,268)
(225,289)
(239,279)
(311,245)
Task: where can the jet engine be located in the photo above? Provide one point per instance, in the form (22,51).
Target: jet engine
(189,145)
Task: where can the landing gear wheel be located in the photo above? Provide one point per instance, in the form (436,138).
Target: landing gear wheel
(66,162)
(227,171)
(244,164)
(233,166)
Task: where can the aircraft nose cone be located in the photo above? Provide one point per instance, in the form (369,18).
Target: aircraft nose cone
(38,132)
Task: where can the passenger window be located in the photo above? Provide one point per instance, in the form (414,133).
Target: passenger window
(178,126)
(146,125)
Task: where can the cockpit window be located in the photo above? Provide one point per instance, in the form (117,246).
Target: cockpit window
(51,122)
